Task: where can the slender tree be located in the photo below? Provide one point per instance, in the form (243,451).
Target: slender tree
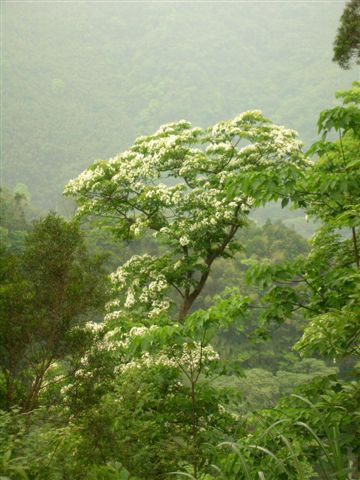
(347,41)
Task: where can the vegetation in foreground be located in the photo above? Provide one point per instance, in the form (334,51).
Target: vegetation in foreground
(181,377)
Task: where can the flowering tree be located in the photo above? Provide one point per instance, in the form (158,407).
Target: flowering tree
(181,185)
(174,184)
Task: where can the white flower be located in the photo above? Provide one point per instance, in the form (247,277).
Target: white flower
(138,331)
(113,316)
(65,389)
(94,327)
(130,299)
(177,265)
(184,240)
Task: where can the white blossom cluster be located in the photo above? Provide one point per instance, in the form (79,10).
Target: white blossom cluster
(113,342)
(94,327)
(190,359)
(200,160)
(66,389)
(138,283)
(146,361)
(195,356)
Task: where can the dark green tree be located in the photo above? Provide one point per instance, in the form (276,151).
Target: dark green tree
(47,290)
(347,41)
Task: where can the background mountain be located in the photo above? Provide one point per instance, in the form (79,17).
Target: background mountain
(81,80)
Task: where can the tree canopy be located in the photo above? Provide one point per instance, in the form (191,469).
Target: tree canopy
(347,41)
(193,214)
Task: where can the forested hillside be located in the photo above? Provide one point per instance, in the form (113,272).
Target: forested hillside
(81,80)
